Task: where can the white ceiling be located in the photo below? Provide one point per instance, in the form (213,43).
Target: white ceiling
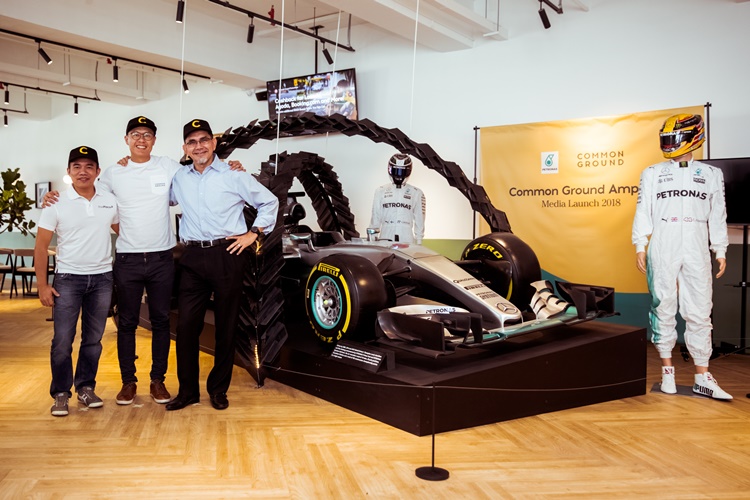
(444,25)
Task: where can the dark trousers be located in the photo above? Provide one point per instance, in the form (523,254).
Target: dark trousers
(206,271)
(133,272)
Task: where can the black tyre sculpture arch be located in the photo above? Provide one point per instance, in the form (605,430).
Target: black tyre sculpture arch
(308,123)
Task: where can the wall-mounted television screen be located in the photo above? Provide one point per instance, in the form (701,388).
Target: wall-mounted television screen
(737,188)
(324,94)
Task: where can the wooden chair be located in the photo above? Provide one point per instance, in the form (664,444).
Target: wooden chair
(23,267)
(6,267)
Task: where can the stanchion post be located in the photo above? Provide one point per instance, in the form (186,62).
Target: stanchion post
(432,473)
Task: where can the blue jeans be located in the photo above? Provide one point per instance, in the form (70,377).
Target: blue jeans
(153,271)
(89,295)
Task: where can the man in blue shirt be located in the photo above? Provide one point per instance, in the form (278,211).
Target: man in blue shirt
(215,235)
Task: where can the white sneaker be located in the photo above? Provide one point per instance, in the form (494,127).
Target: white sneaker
(706,385)
(668,385)
(88,398)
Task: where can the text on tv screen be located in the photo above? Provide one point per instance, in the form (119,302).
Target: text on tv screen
(323,94)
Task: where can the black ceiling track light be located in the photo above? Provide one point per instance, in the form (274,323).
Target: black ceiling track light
(543,16)
(185,86)
(115,72)
(543,13)
(327,54)
(42,53)
(180,11)
(7,94)
(251,30)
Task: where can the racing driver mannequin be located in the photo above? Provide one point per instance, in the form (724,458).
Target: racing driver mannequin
(681,207)
(398,208)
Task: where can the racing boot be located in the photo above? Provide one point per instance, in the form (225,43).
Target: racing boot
(668,385)
(545,303)
(706,385)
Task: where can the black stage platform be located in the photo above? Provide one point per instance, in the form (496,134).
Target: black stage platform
(550,370)
(538,373)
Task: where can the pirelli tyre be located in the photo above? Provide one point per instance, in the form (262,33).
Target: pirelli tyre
(510,265)
(342,297)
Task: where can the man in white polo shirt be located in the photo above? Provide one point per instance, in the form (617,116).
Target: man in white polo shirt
(83,277)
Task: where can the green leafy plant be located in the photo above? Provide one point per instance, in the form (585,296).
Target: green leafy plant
(14,203)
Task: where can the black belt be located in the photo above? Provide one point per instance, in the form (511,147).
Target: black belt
(207,243)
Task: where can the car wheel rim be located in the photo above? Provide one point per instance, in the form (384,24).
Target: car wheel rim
(326,302)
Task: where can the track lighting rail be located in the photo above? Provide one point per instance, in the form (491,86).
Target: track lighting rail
(102,54)
(272,22)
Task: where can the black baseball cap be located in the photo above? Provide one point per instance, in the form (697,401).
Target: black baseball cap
(140,121)
(83,152)
(194,126)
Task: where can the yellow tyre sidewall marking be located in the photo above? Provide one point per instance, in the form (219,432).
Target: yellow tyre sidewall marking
(348,305)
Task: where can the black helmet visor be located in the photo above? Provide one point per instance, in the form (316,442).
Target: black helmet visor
(672,140)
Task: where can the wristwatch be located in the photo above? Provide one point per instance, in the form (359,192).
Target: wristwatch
(256,230)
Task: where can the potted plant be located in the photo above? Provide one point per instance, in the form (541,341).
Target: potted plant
(14,203)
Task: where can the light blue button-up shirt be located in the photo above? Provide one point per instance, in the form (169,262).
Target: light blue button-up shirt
(212,202)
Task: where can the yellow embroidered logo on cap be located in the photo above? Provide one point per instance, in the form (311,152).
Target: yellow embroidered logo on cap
(142,119)
(195,123)
(83,150)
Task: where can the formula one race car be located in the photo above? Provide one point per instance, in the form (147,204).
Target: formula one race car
(410,297)
(394,294)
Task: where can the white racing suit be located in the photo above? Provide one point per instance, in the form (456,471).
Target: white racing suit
(682,209)
(399,212)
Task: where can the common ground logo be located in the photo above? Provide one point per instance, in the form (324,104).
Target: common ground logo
(550,162)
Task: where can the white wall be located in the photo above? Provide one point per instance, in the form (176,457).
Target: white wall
(620,57)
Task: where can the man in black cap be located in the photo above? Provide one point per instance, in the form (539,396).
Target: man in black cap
(83,277)
(213,229)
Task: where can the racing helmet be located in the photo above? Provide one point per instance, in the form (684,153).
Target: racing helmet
(681,134)
(399,168)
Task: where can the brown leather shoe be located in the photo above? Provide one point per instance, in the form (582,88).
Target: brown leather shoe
(126,394)
(159,392)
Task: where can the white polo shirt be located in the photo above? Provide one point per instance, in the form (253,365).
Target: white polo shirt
(142,192)
(84,244)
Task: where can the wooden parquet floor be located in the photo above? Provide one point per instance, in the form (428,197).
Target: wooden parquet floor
(277,442)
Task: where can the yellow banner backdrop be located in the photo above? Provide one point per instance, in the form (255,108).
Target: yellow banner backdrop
(570,188)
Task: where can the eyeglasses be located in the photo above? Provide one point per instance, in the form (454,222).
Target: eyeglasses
(147,136)
(202,141)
